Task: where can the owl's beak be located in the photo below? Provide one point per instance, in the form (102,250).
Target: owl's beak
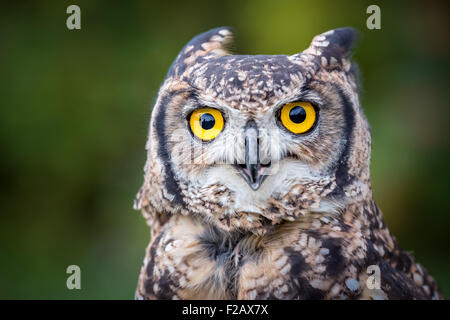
(252,170)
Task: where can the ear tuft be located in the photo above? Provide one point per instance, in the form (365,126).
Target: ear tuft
(210,44)
(333,46)
(342,40)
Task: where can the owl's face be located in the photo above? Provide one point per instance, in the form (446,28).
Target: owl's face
(248,141)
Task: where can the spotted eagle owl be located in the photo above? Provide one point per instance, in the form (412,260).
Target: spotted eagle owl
(257,182)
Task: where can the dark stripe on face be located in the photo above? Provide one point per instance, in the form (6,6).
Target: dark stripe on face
(342,167)
(170,181)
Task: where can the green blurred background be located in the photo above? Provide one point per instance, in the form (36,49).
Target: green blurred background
(75,107)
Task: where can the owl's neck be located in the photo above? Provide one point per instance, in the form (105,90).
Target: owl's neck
(220,263)
(360,217)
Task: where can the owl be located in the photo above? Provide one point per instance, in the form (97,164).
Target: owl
(257,181)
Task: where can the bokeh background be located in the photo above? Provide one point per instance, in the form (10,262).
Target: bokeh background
(75,107)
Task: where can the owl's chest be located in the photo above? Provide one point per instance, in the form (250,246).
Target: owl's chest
(193,265)
(195,262)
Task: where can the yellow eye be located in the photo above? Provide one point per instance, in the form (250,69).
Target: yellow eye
(298,117)
(206,123)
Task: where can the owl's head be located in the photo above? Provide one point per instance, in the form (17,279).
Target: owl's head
(247,141)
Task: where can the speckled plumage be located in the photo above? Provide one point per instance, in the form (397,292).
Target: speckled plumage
(312,229)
